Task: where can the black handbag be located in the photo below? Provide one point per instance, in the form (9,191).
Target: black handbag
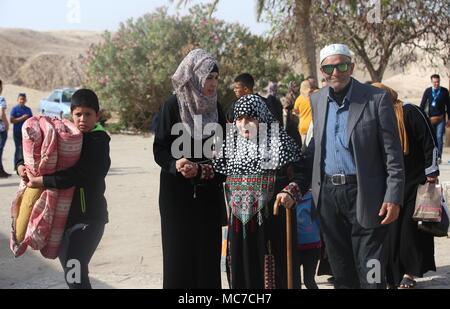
(437,229)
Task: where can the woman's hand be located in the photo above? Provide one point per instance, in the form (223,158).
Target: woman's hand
(181,163)
(190,170)
(35,182)
(187,168)
(285,200)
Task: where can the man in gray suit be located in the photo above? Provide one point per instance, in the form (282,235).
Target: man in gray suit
(358,174)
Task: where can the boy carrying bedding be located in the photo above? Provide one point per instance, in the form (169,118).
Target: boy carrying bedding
(88,213)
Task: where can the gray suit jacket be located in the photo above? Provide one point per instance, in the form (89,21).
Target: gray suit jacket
(373,135)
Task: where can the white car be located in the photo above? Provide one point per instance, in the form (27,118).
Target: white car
(57,104)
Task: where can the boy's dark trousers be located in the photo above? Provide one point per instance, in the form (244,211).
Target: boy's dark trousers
(77,249)
(18,154)
(309,260)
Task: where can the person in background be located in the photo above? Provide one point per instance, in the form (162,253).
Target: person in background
(273,103)
(293,92)
(290,120)
(436,104)
(312,82)
(302,109)
(244,84)
(19,114)
(4,127)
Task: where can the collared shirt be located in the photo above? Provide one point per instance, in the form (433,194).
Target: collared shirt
(338,155)
(18,111)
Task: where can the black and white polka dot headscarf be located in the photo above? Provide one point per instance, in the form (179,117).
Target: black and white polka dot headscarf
(270,151)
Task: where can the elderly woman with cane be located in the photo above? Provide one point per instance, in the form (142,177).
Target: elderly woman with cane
(263,167)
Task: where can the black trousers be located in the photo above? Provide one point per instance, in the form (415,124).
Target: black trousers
(357,255)
(77,249)
(18,154)
(309,260)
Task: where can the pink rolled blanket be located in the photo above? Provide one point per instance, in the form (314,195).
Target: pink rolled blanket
(49,145)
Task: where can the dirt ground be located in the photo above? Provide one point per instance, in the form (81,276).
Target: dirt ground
(129,255)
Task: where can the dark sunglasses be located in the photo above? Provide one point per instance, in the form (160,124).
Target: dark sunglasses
(341,67)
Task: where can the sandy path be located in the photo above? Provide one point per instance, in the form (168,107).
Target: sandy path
(129,255)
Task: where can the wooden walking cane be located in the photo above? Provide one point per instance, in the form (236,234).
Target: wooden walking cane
(290,282)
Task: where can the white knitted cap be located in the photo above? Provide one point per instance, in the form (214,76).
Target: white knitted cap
(335,49)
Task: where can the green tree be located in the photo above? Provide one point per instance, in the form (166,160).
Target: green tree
(131,69)
(292,28)
(382,32)
(439,43)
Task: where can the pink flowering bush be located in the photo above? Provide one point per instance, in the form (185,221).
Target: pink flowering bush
(131,68)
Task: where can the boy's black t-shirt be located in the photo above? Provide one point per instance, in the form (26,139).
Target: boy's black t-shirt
(88,176)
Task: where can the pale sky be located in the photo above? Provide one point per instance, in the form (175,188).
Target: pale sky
(107,14)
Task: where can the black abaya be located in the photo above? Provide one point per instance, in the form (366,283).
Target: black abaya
(412,250)
(192,214)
